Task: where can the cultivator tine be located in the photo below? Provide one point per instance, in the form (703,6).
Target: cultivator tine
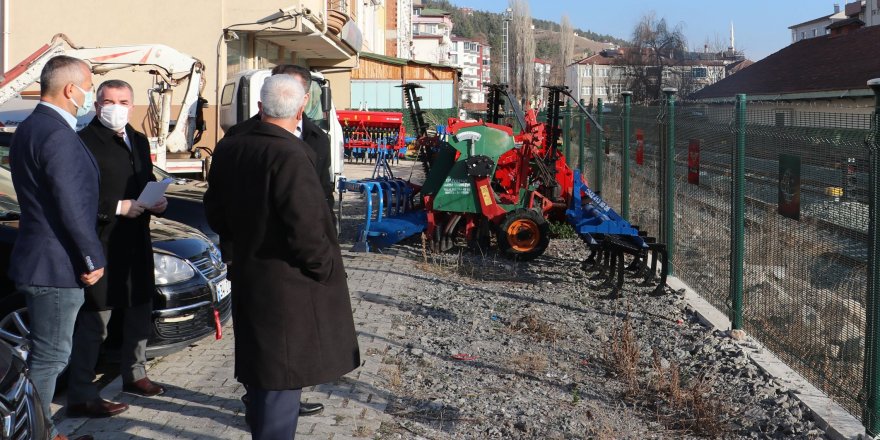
(610,268)
(637,265)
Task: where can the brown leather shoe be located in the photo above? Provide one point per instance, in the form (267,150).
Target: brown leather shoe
(96,408)
(143,387)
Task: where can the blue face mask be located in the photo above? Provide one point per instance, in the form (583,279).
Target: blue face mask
(86,107)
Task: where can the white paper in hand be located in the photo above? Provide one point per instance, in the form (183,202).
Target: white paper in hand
(153,192)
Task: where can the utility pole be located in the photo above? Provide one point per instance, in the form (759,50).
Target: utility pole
(506,46)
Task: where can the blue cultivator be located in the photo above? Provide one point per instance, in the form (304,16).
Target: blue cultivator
(610,239)
(391,218)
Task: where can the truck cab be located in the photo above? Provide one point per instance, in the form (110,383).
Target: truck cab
(238,102)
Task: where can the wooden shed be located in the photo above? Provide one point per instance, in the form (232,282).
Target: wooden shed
(374,83)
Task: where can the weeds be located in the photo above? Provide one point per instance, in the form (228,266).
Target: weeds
(392,376)
(681,406)
(531,363)
(575,394)
(622,355)
(536,327)
(561,230)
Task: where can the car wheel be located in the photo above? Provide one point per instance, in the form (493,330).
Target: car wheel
(15,331)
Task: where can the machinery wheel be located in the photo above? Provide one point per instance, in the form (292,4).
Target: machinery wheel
(523,235)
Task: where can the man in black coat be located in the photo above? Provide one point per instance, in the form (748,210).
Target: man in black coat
(319,142)
(290,304)
(310,133)
(123,156)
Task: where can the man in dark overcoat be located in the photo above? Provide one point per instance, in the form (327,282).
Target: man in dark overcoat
(123,156)
(319,142)
(291,309)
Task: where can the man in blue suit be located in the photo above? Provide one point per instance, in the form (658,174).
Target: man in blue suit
(57,251)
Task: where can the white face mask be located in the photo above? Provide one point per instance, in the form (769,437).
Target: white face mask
(114,116)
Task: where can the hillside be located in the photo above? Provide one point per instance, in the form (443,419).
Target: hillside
(487,27)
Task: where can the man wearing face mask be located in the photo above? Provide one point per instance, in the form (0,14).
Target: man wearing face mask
(123,156)
(57,251)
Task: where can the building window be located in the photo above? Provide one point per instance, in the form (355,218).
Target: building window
(586,90)
(699,72)
(803,35)
(588,72)
(600,90)
(603,72)
(237,54)
(815,32)
(269,55)
(780,119)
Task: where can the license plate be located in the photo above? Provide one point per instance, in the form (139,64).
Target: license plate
(224,288)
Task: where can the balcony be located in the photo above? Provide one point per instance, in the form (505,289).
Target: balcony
(325,37)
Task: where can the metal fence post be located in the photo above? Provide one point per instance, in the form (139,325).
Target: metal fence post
(598,154)
(581,141)
(624,179)
(870,374)
(669,175)
(737,216)
(566,142)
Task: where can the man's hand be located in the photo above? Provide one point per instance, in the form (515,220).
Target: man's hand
(159,207)
(90,278)
(130,208)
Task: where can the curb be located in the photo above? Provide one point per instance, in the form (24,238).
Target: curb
(836,421)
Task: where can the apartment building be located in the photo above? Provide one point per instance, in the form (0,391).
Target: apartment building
(867,12)
(474,59)
(431,34)
(542,78)
(609,72)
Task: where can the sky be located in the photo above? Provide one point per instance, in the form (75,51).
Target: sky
(761,26)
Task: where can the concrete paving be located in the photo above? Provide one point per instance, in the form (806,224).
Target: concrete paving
(203,398)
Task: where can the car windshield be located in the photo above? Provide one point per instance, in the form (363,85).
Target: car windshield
(9,208)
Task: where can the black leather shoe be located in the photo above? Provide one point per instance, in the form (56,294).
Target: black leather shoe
(310,409)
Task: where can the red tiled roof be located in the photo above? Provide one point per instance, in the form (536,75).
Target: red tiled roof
(475,106)
(826,63)
(542,61)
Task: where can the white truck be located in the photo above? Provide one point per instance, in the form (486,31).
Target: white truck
(240,94)
(169,67)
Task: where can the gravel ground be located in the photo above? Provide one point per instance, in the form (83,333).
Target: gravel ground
(500,349)
(496,349)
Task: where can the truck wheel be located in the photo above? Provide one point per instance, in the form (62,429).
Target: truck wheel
(523,235)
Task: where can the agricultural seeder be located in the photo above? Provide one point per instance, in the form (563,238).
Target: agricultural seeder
(372,135)
(485,181)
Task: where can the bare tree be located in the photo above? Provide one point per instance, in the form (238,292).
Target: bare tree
(522,50)
(655,48)
(566,50)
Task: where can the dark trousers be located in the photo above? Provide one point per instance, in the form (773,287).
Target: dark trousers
(91,330)
(52,316)
(271,414)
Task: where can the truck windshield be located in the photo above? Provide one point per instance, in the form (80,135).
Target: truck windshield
(313,107)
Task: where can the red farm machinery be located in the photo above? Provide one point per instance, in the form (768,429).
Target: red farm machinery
(486,182)
(371,135)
